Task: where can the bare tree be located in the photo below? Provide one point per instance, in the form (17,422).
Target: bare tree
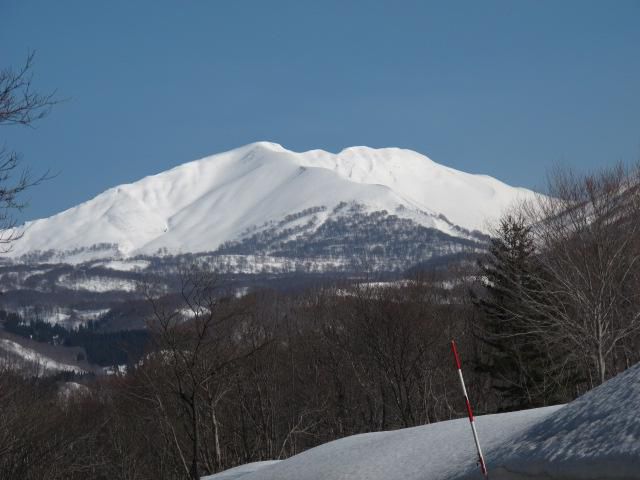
(393,340)
(584,296)
(19,105)
(197,342)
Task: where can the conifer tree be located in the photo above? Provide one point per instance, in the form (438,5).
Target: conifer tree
(520,364)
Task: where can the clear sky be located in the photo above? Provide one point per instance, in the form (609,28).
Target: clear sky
(505,88)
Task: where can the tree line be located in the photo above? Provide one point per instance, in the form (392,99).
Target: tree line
(227,381)
(106,349)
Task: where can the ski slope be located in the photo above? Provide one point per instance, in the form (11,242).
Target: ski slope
(201,204)
(596,437)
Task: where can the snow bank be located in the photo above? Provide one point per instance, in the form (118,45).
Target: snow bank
(443,450)
(596,437)
(241,471)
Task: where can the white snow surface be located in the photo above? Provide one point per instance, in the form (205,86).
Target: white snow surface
(596,437)
(97,283)
(199,205)
(443,450)
(124,266)
(241,471)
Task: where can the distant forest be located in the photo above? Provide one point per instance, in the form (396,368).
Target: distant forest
(102,348)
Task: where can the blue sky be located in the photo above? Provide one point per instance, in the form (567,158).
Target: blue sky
(505,88)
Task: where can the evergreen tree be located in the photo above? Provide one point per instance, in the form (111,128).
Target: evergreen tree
(521,366)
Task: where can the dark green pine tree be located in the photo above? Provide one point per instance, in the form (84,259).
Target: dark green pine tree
(520,365)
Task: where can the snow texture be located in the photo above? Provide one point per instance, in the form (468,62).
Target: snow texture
(241,471)
(125,266)
(97,284)
(596,437)
(199,205)
(443,450)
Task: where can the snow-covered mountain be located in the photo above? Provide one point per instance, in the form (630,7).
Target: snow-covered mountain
(261,197)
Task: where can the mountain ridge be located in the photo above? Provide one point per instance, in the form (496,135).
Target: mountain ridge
(200,205)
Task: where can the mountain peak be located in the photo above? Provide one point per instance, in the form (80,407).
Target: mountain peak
(266,145)
(202,204)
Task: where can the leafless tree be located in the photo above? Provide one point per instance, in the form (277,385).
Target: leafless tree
(394,342)
(19,105)
(197,342)
(585,296)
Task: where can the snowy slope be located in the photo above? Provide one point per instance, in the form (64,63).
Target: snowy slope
(199,205)
(596,437)
(440,451)
(34,358)
(242,470)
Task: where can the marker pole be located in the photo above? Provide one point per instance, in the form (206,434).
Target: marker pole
(483,466)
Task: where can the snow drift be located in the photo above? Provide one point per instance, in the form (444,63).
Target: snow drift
(595,437)
(198,206)
(443,450)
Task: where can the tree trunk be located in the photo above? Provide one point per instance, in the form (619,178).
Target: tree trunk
(195,445)
(216,437)
(601,364)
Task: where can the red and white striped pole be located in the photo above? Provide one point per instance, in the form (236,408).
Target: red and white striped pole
(483,466)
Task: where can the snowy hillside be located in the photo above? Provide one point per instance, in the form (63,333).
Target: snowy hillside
(12,352)
(594,437)
(263,196)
